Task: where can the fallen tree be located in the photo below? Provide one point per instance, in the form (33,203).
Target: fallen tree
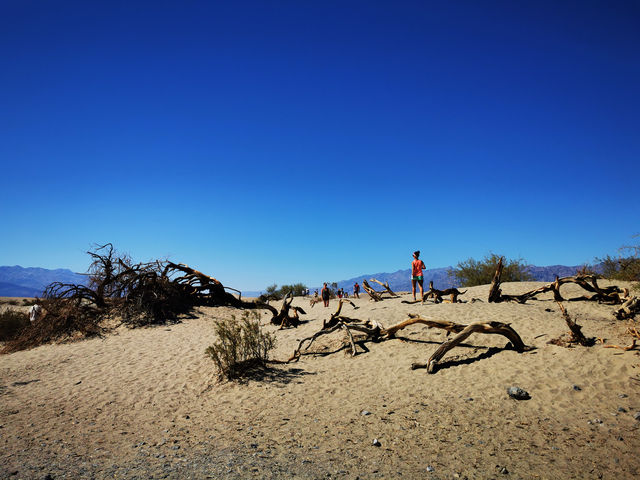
(612,295)
(375,332)
(628,309)
(134,293)
(288,316)
(385,285)
(438,294)
(375,295)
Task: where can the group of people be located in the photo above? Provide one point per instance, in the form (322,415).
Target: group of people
(417,278)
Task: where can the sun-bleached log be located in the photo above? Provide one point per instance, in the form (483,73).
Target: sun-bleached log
(495,328)
(376,332)
(413,319)
(628,309)
(375,296)
(613,294)
(438,294)
(576,330)
(336,317)
(385,286)
(284,318)
(495,294)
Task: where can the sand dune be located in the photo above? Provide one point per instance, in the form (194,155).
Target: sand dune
(145,403)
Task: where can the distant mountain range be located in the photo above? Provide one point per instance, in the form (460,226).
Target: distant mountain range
(30,282)
(401,280)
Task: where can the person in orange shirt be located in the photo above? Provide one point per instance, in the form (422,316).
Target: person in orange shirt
(416,274)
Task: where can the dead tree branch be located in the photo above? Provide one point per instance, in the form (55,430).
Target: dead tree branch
(375,296)
(498,328)
(376,332)
(284,318)
(613,295)
(385,286)
(575,332)
(438,294)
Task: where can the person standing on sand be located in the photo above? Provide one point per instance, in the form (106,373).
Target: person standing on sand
(356,290)
(416,274)
(325,294)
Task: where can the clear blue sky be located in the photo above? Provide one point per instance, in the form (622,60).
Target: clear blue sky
(288,141)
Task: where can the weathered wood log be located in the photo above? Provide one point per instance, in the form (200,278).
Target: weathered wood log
(376,332)
(625,349)
(498,328)
(297,352)
(438,294)
(628,309)
(375,296)
(413,319)
(335,317)
(385,286)
(495,294)
(576,330)
(284,318)
(612,294)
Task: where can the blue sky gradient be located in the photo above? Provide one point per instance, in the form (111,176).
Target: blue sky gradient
(286,141)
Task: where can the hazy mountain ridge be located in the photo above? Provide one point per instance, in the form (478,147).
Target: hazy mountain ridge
(17,281)
(401,279)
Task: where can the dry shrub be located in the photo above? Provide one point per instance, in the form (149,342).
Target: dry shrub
(11,323)
(242,346)
(64,318)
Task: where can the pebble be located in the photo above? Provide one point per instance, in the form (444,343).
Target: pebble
(637,416)
(518,393)
(623,395)
(365,413)
(504,470)
(430,468)
(622,409)
(376,443)
(577,388)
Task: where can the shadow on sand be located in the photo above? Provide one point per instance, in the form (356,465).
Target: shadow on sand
(280,374)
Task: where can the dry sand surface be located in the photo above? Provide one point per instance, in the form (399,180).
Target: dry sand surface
(145,403)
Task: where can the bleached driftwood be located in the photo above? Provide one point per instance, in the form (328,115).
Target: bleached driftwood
(385,285)
(375,296)
(288,316)
(376,332)
(438,294)
(612,295)
(575,332)
(628,309)
(498,328)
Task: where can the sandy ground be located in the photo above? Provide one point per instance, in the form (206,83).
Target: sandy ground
(145,403)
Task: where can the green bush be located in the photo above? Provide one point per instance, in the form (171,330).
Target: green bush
(473,272)
(621,268)
(626,266)
(11,323)
(241,347)
(272,292)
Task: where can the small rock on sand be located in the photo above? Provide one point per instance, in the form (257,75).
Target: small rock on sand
(518,393)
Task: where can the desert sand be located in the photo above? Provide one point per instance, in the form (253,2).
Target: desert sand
(146,403)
